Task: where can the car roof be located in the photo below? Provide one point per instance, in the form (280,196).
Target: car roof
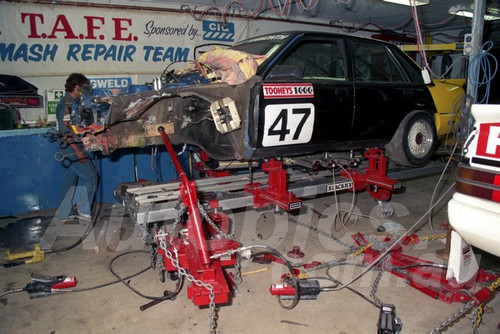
(295,33)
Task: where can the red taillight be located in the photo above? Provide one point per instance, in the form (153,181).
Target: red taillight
(478,183)
(496,193)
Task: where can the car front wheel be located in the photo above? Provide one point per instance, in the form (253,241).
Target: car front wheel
(414,141)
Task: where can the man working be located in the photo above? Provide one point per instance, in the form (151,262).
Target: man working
(80,170)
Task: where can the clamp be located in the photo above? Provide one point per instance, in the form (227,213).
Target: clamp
(43,286)
(34,256)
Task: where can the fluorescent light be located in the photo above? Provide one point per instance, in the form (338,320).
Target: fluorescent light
(461,10)
(407,2)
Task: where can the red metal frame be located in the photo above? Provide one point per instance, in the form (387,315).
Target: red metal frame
(202,167)
(194,249)
(427,279)
(374,177)
(276,191)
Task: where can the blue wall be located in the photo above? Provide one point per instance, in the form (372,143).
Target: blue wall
(29,173)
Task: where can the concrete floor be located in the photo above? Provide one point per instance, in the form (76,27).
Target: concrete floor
(115,309)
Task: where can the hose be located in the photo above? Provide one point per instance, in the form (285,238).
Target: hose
(167,294)
(287,263)
(92,223)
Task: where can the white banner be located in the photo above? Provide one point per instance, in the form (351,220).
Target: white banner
(51,40)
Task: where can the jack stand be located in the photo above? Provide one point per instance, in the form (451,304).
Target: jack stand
(34,256)
(276,191)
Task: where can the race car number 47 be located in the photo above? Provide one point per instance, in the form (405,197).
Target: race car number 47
(288,124)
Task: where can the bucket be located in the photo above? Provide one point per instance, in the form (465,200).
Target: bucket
(6,117)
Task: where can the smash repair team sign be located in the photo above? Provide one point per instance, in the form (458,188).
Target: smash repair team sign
(63,39)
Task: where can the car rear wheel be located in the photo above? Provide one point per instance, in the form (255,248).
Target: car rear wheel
(414,141)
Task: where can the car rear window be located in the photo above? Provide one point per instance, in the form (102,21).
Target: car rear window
(373,62)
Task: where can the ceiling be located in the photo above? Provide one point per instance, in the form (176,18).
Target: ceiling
(370,14)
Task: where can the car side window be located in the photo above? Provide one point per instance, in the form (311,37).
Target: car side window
(373,62)
(322,60)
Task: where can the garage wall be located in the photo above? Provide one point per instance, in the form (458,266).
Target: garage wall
(30,174)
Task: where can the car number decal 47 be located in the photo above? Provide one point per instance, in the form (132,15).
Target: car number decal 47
(288,124)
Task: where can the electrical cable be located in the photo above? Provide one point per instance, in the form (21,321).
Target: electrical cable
(333,279)
(8,292)
(168,295)
(93,220)
(109,283)
(282,8)
(292,275)
(486,64)
(431,203)
(347,214)
(394,244)
(344,219)
(420,42)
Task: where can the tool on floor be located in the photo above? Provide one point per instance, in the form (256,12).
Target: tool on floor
(155,302)
(44,286)
(253,272)
(295,253)
(267,259)
(388,322)
(34,256)
(309,289)
(293,323)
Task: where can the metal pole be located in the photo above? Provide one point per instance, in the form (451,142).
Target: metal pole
(477,41)
(192,203)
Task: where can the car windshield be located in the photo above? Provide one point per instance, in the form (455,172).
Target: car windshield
(265,45)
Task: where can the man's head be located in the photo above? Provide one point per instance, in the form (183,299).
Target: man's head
(77,83)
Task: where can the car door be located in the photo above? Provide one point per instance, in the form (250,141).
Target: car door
(307,99)
(384,91)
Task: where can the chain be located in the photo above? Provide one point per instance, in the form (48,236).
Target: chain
(237,274)
(143,228)
(326,234)
(237,270)
(433,237)
(214,225)
(494,285)
(477,318)
(180,212)
(190,278)
(373,292)
(455,316)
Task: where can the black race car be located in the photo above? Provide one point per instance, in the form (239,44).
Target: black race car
(283,94)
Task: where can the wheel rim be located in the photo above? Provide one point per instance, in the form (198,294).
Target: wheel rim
(420,139)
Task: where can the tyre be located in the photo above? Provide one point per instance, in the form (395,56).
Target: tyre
(414,141)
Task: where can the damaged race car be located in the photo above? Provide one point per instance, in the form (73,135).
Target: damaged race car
(287,94)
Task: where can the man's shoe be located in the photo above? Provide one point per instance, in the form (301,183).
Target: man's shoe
(84,216)
(69,219)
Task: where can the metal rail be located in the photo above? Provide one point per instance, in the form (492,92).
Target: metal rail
(158,202)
